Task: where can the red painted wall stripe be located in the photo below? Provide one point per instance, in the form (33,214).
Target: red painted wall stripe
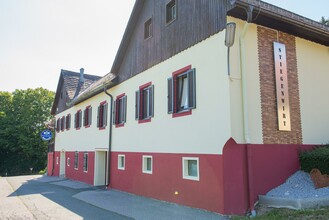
(167,178)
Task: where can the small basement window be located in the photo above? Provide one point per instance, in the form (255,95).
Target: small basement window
(191,168)
(171,11)
(121,162)
(76,159)
(85,162)
(148,29)
(147,164)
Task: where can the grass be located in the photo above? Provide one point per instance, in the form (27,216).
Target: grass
(305,214)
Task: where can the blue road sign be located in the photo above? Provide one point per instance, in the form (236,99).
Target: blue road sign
(46,135)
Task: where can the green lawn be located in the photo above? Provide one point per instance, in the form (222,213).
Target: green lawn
(273,214)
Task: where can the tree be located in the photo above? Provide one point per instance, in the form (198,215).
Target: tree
(324,21)
(23,115)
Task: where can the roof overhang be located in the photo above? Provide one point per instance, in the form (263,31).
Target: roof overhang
(280,19)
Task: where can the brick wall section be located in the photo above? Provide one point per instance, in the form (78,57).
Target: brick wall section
(271,133)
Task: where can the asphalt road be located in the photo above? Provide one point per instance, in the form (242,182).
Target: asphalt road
(23,197)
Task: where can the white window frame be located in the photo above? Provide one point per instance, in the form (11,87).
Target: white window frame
(76,160)
(57,160)
(185,168)
(120,158)
(68,162)
(85,157)
(144,164)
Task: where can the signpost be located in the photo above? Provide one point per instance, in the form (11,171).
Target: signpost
(46,135)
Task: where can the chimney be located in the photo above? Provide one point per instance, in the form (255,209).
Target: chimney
(81,76)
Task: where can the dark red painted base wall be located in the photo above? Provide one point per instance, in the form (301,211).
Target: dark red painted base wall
(50,164)
(56,165)
(79,174)
(269,166)
(167,177)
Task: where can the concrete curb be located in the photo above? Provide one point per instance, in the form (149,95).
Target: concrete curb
(307,203)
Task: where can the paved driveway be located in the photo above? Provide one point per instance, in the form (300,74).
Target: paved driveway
(42,197)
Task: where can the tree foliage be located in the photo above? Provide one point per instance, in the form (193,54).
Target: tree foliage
(23,115)
(324,21)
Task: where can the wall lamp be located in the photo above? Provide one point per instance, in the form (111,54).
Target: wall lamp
(229,41)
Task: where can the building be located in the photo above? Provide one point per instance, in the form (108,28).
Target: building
(189,116)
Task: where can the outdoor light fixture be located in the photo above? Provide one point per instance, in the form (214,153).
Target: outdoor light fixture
(229,41)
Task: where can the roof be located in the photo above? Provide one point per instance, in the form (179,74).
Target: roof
(264,14)
(271,16)
(70,81)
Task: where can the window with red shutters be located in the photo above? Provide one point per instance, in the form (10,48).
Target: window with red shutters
(119,110)
(78,119)
(144,107)
(68,121)
(182,92)
(87,115)
(102,115)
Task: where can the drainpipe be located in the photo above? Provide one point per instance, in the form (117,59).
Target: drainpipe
(245,107)
(110,139)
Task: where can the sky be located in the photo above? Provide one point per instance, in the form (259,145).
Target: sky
(38,38)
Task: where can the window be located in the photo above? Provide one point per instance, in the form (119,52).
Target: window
(57,160)
(147,164)
(68,121)
(76,159)
(102,115)
(85,162)
(119,110)
(68,161)
(87,114)
(148,29)
(191,168)
(63,123)
(78,119)
(121,162)
(171,11)
(144,108)
(58,125)
(181,92)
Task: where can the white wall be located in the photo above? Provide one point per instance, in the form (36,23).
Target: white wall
(254,113)
(85,139)
(313,75)
(206,130)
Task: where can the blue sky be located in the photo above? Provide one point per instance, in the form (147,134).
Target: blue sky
(38,38)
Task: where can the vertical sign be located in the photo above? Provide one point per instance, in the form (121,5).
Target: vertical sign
(281,78)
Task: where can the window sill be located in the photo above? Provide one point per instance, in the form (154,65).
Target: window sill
(87,126)
(101,128)
(77,128)
(191,178)
(119,125)
(144,121)
(85,171)
(121,168)
(182,113)
(147,172)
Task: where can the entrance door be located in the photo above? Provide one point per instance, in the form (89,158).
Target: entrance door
(100,178)
(62,165)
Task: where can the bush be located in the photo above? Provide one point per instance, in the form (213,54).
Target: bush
(318,158)
(42,172)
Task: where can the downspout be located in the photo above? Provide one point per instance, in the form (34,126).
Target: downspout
(110,140)
(245,107)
